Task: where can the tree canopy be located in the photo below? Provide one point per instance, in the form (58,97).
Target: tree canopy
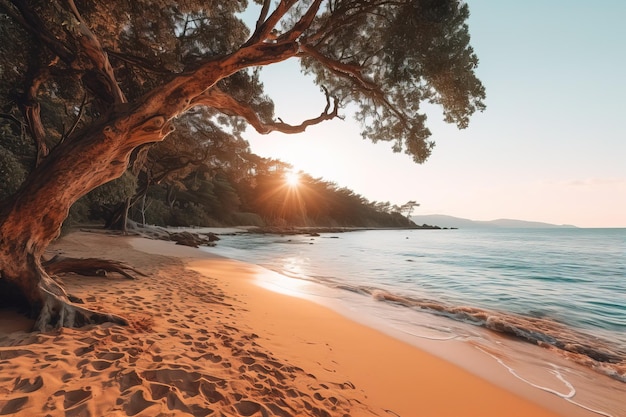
(87,87)
(69,63)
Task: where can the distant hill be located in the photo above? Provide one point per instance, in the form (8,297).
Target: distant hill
(450,221)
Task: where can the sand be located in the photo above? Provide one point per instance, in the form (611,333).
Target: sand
(206,340)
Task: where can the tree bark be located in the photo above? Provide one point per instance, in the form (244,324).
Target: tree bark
(33,218)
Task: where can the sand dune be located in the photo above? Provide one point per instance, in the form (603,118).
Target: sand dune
(205,341)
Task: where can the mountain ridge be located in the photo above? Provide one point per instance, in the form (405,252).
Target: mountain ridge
(443,220)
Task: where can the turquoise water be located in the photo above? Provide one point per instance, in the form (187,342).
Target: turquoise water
(572,276)
(564,289)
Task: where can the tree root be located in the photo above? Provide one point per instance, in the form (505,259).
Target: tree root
(88,267)
(59,312)
(57,308)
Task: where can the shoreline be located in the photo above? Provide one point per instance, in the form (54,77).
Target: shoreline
(206,338)
(454,370)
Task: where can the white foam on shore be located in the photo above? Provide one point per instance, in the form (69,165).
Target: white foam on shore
(567,397)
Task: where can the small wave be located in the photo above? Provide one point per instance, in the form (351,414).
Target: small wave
(599,354)
(556,372)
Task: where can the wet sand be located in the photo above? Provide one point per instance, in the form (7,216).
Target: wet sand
(206,340)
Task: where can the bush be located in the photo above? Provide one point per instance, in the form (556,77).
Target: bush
(192,215)
(246,219)
(116,191)
(157,212)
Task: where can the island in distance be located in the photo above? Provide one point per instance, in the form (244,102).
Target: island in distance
(460,223)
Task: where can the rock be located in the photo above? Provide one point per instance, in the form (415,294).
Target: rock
(192,239)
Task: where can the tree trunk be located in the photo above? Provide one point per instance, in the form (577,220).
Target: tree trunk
(32,219)
(117,219)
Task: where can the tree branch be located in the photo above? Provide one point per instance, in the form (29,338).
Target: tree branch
(90,46)
(31,22)
(353,72)
(31,111)
(303,24)
(264,28)
(263,14)
(138,62)
(227,104)
(97,56)
(13,119)
(76,121)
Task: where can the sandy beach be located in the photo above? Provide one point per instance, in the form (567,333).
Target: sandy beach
(206,340)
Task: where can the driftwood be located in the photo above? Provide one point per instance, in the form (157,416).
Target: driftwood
(88,267)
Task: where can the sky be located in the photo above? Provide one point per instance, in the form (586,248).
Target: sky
(550,147)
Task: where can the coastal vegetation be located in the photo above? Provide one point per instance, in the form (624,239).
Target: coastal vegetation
(197,186)
(88,88)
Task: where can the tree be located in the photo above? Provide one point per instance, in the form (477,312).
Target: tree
(93,82)
(198,144)
(408,208)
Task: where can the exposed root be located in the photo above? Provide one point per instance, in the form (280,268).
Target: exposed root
(58,311)
(88,267)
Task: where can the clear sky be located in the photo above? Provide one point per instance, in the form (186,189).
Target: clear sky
(550,147)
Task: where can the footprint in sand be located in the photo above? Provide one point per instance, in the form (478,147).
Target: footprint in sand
(210,391)
(68,377)
(118,338)
(248,408)
(136,404)
(12,406)
(110,356)
(73,399)
(211,357)
(101,365)
(158,390)
(248,360)
(26,385)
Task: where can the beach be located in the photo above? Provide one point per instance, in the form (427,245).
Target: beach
(206,340)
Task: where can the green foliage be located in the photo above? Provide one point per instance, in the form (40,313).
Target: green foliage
(115,191)
(246,219)
(408,207)
(191,214)
(157,212)
(12,173)
(80,213)
(389,58)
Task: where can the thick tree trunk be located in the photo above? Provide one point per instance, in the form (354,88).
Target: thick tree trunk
(32,218)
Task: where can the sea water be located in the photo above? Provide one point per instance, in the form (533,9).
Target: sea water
(553,299)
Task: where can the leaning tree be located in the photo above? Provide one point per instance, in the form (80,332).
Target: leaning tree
(92,83)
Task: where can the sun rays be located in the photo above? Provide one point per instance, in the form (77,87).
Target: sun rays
(292,178)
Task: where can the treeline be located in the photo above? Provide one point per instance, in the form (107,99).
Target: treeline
(202,175)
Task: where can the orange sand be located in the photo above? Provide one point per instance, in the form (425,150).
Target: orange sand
(206,340)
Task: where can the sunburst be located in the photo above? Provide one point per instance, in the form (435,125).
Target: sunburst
(292,178)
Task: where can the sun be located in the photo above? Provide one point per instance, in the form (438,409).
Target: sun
(292,178)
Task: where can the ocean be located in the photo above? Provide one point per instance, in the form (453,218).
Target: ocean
(547,305)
